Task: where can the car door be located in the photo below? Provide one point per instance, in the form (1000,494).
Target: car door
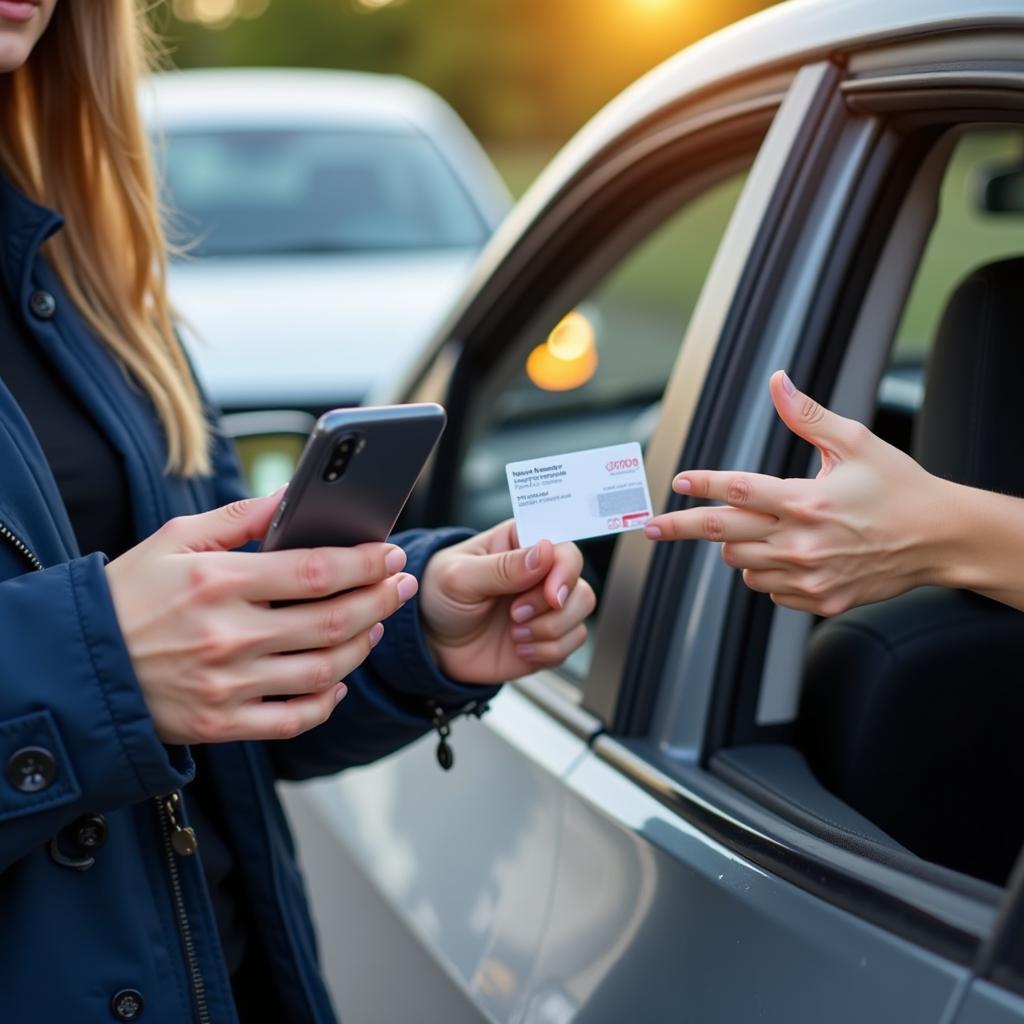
(757,892)
(997,994)
(584,860)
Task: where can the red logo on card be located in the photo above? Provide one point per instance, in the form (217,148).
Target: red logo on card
(617,464)
(615,523)
(636,518)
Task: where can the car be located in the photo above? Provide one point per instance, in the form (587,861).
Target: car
(324,222)
(722,810)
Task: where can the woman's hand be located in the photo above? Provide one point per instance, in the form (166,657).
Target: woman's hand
(492,611)
(206,645)
(870,525)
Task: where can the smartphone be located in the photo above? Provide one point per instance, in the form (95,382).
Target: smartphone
(355,475)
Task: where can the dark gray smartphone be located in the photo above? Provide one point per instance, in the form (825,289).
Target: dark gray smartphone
(355,475)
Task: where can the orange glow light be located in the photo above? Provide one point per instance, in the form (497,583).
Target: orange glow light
(568,359)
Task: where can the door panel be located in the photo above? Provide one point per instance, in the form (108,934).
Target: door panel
(988,1004)
(465,860)
(651,920)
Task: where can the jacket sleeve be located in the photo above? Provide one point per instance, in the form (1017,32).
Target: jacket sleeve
(389,696)
(75,733)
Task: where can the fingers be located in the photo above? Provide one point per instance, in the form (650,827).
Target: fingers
(812,421)
(755,492)
(311,573)
(325,624)
(752,555)
(715,524)
(564,575)
(555,590)
(308,671)
(484,576)
(283,720)
(806,592)
(221,529)
(553,625)
(553,652)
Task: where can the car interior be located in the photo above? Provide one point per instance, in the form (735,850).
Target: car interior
(909,709)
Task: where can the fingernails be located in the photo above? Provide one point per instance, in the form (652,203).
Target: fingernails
(407,587)
(340,693)
(376,633)
(525,650)
(533,557)
(654,532)
(523,613)
(522,633)
(681,485)
(395,561)
(787,384)
(562,595)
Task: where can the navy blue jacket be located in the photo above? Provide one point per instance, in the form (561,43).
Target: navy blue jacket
(78,749)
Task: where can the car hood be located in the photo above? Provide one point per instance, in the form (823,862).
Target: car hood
(311,331)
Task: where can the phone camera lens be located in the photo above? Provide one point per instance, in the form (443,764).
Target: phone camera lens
(339,460)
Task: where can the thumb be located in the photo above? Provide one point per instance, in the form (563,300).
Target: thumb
(224,528)
(810,420)
(508,572)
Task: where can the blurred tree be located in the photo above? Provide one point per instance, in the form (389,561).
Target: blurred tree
(517,70)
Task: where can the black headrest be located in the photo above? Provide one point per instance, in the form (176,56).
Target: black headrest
(971,425)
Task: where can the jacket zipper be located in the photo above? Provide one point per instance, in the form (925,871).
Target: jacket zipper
(181,841)
(20,546)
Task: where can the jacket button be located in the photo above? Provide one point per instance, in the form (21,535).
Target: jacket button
(31,769)
(90,831)
(42,304)
(127,1004)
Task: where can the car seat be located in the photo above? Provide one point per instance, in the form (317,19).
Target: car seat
(912,709)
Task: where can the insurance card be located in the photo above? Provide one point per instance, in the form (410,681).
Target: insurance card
(582,494)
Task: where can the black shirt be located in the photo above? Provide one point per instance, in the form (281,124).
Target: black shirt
(91,479)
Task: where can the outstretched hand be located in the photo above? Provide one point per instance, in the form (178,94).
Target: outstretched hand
(492,611)
(864,529)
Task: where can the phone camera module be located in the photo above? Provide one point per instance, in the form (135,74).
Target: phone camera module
(339,460)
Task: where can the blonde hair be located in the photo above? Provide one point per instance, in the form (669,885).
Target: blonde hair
(71,138)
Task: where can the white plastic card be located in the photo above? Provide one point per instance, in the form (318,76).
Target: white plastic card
(582,494)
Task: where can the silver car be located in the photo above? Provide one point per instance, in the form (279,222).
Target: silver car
(722,811)
(327,221)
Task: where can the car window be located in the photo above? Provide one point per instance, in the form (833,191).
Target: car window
(966,235)
(900,715)
(596,376)
(252,192)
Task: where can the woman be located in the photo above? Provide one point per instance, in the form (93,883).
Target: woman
(871,525)
(125,685)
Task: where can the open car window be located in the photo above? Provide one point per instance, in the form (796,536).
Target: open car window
(902,733)
(595,377)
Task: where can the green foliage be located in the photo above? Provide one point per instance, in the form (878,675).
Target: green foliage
(516,70)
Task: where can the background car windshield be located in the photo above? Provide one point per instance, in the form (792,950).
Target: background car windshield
(238,193)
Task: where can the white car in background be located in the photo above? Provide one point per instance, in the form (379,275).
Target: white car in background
(328,221)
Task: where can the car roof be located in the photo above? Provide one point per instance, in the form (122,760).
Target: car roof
(220,97)
(786,34)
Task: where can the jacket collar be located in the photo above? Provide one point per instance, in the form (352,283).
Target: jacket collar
(24,226)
